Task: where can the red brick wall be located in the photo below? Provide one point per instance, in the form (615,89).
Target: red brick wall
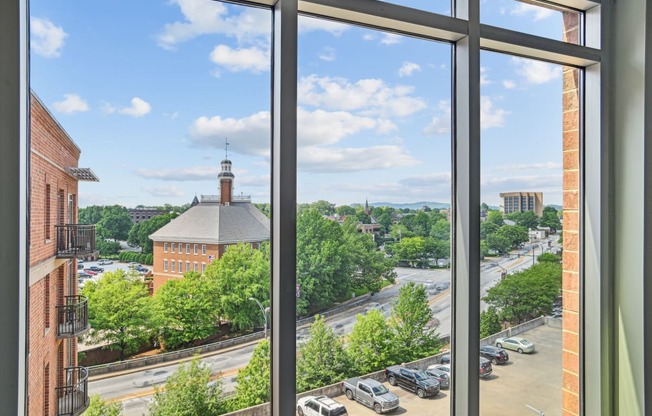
(160,277)
(51,152)
(570,280)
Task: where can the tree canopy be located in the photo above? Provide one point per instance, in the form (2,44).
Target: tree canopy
(140,232)
(119,311)
(253,386)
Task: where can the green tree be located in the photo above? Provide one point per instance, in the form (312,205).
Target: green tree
(496,217)
(526,294)
(188,393)
(243,272)
(548,258)
(108,248)
(345,210)
(253,386)
(516,235)
(139,235)
(322,359)
(323,207)
(410,320)
(90,215)
(399,232)
(529,220)
(99,407)
(385,221)
(489,323)
(119,311)
(411,248)
(185,310)
(550,218)
(370,267)
(487,228)
(441,230)
(498,242)
(323,264)
(115,223)
(372,345)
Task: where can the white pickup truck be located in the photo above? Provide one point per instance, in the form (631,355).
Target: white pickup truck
(370,393)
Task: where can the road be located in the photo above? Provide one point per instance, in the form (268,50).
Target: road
(135,399)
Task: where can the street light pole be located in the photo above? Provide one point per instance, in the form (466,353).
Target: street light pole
(262,310)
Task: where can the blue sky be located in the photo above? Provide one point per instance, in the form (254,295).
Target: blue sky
(149,90)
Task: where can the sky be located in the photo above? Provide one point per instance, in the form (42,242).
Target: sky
(150,90)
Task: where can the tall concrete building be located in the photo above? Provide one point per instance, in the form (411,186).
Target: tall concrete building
(521,202)
(201,235)
(57,313)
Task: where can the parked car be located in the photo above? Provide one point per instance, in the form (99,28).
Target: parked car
(485,367)
(152,378)
(91,272)
(83,275)
(104,262)
(445,359)
(414,380)
(141,269)
(80,266)
(518,344)
(370,393)
(441,376)
(320,406)
(494,354)
(96,269)
(445,368)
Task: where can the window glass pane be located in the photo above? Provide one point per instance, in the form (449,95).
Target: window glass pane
(149,93)
(526,168)
(434,6)
(532,17)
(373,227)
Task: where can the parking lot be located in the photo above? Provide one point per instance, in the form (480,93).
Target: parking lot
(526,380)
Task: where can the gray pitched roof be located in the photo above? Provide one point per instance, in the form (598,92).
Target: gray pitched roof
(213,223)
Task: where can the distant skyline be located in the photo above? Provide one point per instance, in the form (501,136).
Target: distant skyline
(150,96)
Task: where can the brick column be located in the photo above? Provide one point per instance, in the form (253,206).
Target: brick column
(571,255)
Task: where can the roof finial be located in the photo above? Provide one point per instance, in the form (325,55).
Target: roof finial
(226,148)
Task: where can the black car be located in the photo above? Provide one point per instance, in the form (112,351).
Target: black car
(494,354)
(441,376)
(485,367)
(96,269)
(413,380)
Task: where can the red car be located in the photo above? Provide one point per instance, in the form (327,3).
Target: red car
(89,271)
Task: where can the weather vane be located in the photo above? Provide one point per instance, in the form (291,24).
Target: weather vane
(226,148)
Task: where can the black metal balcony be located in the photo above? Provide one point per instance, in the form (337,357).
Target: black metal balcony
(72,317)
(75,240)
(72,399)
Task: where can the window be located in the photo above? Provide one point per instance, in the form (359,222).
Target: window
(195,249)
(188,248)
(173,266)
(48,213)
(46,301)
(187,266)
(194,268)
(180,266)
(165,265)
(203,249)
(203,267)
(165,247)
(172,248)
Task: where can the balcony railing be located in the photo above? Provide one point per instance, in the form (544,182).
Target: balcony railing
(75,240)
(72,317)
(72,399)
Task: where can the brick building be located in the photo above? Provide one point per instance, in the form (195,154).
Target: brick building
(200,235)
(57,315)
(144,213)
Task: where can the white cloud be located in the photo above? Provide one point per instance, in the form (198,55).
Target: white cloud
(538,12)
(530,166)
(193,173)
(71,103)
(244,59)
(211,17)
(369,96)
(138,108)
(490,116)
(46,38)
(247,135)
(310,24)
(408,69)
(321,127)
(327,54)
(433,187)
(533,183)
(391,39)
(484,78)
(337,160)
(368,37)
(163,190)
(509,84)
(440,123)
(171,116)
(536,72)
